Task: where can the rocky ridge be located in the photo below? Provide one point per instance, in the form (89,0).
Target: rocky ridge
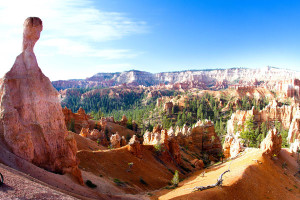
(214,78)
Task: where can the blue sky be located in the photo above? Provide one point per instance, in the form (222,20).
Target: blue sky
(81,37)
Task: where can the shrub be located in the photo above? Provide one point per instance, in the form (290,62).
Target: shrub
(175,179)
(90,184)
(118,182)
(157,147)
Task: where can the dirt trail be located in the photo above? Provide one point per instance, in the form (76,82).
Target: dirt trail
(20,186)
(251,176)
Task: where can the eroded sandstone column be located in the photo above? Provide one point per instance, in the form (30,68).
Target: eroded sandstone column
(31,120)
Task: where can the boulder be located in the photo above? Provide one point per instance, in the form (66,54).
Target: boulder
(199,164)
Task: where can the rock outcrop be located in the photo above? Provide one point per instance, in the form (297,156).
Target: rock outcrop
(135,147)
(289,116)
(271,145)
(123,121)
(288,88)
(200,138)
(76,121)
(174,149)
(232,145)
(168,107)
(95,135)
(294,133)
(199,164)
(115,141)
(159,137)
(32,123)
(271,113)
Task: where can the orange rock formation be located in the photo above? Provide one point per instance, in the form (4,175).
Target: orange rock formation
(288,116)
(202,137)
(32,122)
(79,120)
(271,145)
(232,145)
(115,141)
(135,147)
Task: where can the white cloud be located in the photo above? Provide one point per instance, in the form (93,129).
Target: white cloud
(80,49)
(71,18)
(71,28)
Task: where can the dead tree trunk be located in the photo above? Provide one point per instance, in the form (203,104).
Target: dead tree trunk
(218,183)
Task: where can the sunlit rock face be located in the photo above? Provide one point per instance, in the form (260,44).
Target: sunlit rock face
(135,147)
(115,141)
(289,116)
(32,123)
(79,120)
(232,145)
(271,145)
(215,79)
(294,133)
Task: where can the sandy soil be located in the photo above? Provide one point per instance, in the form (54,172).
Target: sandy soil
(62,183)
(113,164)
(86,144)
(247,179)
(21,186)
(122,131)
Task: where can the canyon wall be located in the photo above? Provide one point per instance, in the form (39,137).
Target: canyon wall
(215,78)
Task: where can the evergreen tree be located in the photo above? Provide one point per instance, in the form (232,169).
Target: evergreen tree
(264,129)
(221,127)
(248,132)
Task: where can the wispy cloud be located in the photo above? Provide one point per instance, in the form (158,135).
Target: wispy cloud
(71,18)
(72,48)
(71,28)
